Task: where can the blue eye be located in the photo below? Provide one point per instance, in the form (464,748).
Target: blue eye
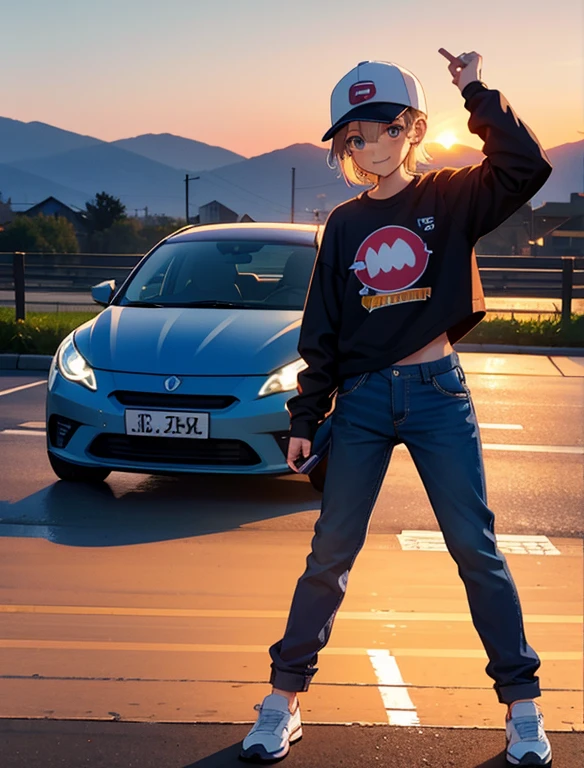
(356,142)
(394,131)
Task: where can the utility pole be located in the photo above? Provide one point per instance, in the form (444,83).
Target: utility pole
(293,193)
(187,179)
(582,133)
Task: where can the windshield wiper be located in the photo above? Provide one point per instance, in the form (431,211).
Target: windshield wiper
(213,303)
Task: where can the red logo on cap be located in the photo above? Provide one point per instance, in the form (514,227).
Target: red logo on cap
(360,92)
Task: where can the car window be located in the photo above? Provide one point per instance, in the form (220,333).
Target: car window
(243,273)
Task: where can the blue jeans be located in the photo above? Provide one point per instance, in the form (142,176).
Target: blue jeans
(428,407)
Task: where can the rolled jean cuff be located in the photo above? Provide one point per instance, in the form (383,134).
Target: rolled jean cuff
(289,681)
(507,694)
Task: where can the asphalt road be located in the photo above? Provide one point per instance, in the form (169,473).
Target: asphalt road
(129,745)
(533,488)
(152,600)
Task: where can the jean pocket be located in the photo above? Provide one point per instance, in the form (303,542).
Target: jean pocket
(351,384)
(451,383)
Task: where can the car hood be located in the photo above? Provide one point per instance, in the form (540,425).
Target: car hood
(190,341)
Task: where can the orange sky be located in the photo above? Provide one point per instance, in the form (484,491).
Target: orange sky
(256,76)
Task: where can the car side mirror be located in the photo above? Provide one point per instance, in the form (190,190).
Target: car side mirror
(102,293)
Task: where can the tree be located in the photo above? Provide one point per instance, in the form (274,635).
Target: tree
(132,235)
(103,211)
(39,234)
(124,236)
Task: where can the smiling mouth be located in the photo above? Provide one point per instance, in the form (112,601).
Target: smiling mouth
(376,162)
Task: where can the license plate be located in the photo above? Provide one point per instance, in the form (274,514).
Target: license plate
(167,424)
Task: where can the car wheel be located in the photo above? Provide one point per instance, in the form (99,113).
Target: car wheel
(318,475)
(76,473)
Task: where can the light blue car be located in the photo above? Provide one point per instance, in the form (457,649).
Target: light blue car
(191,363)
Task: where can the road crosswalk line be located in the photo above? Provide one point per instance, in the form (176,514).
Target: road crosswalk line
(399,707)
(511,544)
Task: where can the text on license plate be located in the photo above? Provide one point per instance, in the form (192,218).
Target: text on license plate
(167,424)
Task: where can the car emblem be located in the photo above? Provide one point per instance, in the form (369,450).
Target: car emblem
(172,383)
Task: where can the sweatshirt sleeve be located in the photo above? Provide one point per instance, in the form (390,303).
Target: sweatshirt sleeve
(480,197)
(318,341)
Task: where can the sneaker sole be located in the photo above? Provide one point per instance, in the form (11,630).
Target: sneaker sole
(527,761)
(257,754)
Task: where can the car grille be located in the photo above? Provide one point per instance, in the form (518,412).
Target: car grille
(163,400)
(174,450)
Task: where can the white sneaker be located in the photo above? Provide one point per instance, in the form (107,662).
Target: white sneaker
(527,744)
(276,728)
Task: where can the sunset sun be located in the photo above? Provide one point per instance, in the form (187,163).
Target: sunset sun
(447,139)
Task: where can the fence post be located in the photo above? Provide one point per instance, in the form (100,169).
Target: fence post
(567,289)
(18,274)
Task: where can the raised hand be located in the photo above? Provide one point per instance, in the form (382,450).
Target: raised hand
(465,68)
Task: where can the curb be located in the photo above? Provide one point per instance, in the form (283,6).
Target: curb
(520,350)
(17,362)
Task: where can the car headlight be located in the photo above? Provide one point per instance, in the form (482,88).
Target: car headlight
(73,366)
(284,379)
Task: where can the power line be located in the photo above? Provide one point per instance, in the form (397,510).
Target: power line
(318,186)
(248,191)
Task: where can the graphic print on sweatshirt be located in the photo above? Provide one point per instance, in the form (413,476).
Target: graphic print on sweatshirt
(388,263)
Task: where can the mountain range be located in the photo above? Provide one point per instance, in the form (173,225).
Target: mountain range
(38,160)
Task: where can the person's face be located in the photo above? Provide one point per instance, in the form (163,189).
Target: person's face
(383,156)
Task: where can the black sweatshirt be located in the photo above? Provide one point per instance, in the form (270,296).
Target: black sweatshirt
(392,275)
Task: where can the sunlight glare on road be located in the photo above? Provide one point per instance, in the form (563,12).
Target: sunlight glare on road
(494,364)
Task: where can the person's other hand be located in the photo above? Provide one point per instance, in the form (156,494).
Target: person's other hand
(461,77)
(297,447)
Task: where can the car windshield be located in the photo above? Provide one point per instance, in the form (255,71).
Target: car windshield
(223,274)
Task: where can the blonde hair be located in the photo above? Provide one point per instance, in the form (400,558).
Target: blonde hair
(340,158)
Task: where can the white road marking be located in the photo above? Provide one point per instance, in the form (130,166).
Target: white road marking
(242,613)
(575,449)
(571,449)
(526,448)
(33,424)
(109,645)
(24,386)
(34,433)
(399,707)
(510,544)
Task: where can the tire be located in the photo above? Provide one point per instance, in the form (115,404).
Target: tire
(76,473)
(318,475)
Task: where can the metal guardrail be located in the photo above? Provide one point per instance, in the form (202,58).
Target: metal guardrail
(545,277)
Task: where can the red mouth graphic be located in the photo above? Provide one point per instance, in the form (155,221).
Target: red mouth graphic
(391,259)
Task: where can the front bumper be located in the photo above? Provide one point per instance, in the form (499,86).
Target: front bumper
(247,434)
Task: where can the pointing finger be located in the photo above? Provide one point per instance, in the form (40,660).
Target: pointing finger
(447,55)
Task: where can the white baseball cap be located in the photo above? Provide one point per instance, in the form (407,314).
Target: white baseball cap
(374,91)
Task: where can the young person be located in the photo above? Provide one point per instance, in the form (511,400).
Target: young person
(395,284)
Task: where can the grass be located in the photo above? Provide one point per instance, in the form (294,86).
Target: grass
(546,332)
(42,332)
